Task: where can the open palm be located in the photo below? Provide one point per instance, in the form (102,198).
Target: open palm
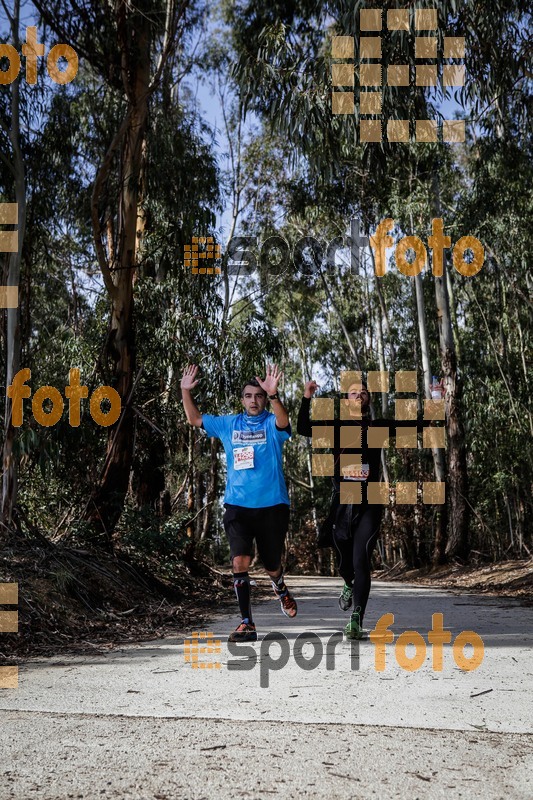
(272,379)
(188,379)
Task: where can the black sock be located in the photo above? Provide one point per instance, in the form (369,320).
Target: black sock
(278,584)
(241,584)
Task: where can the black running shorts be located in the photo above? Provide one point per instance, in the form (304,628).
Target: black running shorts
(268,526)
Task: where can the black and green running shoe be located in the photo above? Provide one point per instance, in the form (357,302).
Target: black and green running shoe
(354,629)
(345,600)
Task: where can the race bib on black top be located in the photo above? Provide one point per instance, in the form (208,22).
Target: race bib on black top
(356,472)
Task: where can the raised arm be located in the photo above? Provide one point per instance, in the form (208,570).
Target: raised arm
(303,426)
(270,386)
(188,382)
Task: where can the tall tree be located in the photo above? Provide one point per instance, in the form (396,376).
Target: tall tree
(14,162)
(136,43)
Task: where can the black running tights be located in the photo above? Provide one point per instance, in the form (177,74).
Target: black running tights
(355,553)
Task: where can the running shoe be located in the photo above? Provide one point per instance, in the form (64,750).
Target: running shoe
(345,600)
(245,632)
(288,603)
(354,629)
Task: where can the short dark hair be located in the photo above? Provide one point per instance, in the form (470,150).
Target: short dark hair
(254,383)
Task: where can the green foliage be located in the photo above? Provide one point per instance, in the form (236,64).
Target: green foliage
(293,171)
(144,533)
(63,580)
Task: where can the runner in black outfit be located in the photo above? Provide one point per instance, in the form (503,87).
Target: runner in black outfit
(355,528)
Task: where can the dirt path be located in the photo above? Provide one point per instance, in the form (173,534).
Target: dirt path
(140,722)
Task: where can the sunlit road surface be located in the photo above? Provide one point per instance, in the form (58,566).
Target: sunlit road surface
(144,722)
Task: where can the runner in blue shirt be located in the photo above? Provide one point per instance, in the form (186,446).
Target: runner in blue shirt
(256,499)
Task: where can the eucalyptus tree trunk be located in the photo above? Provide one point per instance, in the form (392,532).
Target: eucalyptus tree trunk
(439,461)
(381,355)
(457,487)
(381,319)
(13,335)
(119,265)
(212,488)
(117,215)
(384,312)
(349,341)
(305,368)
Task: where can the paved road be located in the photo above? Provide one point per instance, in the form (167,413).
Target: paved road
(141,722)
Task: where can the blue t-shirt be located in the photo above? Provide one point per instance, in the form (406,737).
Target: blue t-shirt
(253,447)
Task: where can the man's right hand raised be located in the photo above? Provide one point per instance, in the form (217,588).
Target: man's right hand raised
(188,379)
(310,388)
(188,382)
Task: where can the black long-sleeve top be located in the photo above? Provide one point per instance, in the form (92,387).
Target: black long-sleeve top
(348,443)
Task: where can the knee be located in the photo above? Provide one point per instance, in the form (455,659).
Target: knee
(241,563)
(274,573)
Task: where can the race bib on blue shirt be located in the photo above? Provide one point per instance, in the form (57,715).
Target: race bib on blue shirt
(243,457)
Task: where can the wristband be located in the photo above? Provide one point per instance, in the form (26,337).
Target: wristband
(273,396)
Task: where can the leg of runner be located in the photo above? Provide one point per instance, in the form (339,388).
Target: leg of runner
(270,537)
(241,584)
(365,532)
(238,527)
(245,632)
(287,601)
(365,536)
(344,549)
